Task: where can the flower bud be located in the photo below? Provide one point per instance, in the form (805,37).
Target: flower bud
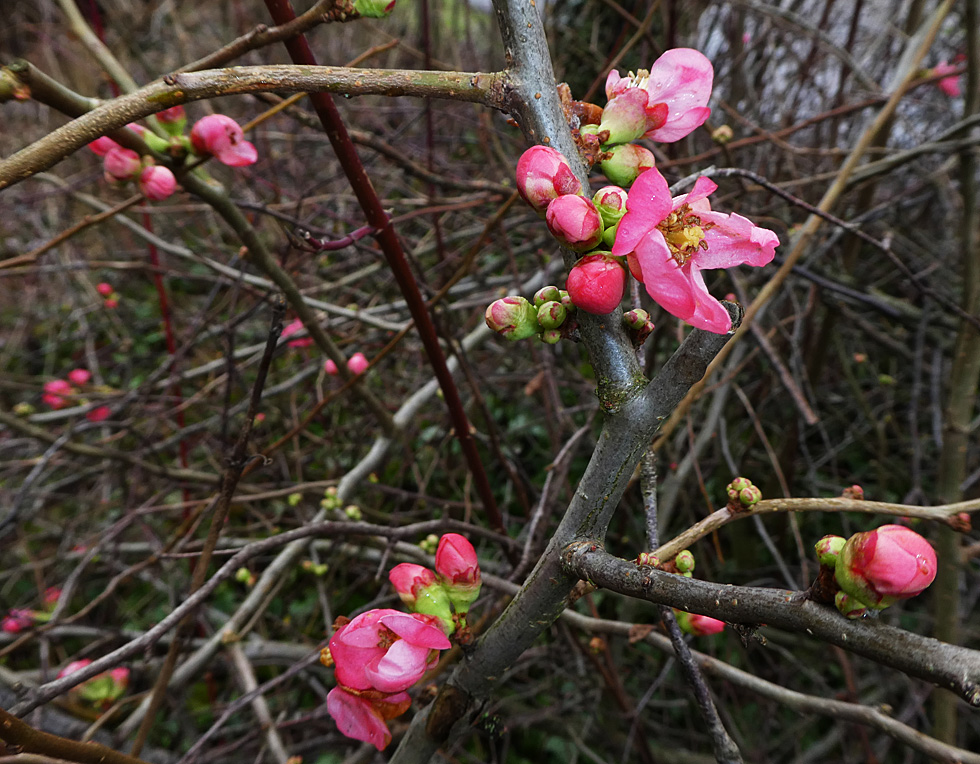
(550,336)
(698,625)
(636,319)
(722,135)
(429,544)
(222,136)
(513,318)
(828,549)
(98,414)
(79,376)
(625,117)
(749,497)
(374,9)
(121,164)
(546,294)
(575,222)
(853,492)
(458,570)
(885,565)
(551,314)
(848,606)
(543,174)
(104,289)
(173,120)
(626,163)
(736,486)
(611,203)
(353,512)
(101,146)
(596,283)
(684,561)
(357,364)
(157,182)
(421,592)
(330,368)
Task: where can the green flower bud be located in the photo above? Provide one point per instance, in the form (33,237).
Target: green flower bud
(551,314)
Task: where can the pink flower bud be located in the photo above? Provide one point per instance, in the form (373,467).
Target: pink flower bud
(458,570)
(374,9)
(949,85)
(79,376)
(513,318)
(173,120)
(221,136)
(544,174)
(103,289)
(625,116)
(102,146)
(301,342)
(596,283)
(885,565)
(626,163)
(330,368)
(74,666)
(546,294)
(17,621)
(575,222)
(98,414)
(112,303)
(551,314)
(157,183)
(51,596)
(54,392)
(849,606)
(611,203)
(357,364)
(698,625)
(121,164)
(828,549)
(409,579)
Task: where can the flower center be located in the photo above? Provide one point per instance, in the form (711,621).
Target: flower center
(684,234)
(386,637)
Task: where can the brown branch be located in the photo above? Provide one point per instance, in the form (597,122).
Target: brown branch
(16,733)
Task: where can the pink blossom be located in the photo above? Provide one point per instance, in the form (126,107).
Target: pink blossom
(678,87)
(17,621)
(409,580)
(544,174)
(157,183)
(357,363)
(456,560)
(121,164)
(362,717)
(668,242)
(330,368)
(885,565)
(291,329)
(575,222)
(112,303)
(596,284)
(102,145)
(949,85)
(51,596)
(223,137)
(385,650)
(74,666)
(79,376)
(55,391)
(98,414)
(104,289)
(702,625)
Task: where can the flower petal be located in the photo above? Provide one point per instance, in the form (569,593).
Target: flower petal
(647,205)
(682,79)
(399,668)
(703,188)
(734,240)
(357,718)
(709,314)
(416,630)
(666,282)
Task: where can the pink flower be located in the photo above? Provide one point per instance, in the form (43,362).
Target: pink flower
(678,87)
(121,164)
(330,368)
(409,580)
(596,284)
(112,303)
(357,363)
(363,718)
(157,183)
(668,242)
(101,146)
(74,666)
(575,222)
(385,650)
(949,85)
(221,136)
(885,565)
(51,596)
(55,391)
(79,376)
(456,560)
(17,621)
(293,328)
(98,414)
(544,174)
(702,625)
(104,289)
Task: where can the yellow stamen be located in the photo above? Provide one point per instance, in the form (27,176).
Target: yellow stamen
(684,234)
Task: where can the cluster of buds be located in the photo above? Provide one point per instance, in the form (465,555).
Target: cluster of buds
(110,295)
(215,135)
(874,569)
(664,242)
(59,393)
(639,325)
(742,495)
(330,500)
(683,565)
(99,691)
(380,654)
(517,318)
(20,619)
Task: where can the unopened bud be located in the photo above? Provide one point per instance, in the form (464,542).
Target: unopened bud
(546,294)
(513,318)
(575,222)
(626,162)
(828,548)
(684,561)
(551,314)
(550,336)
(353,512)
(722,135)
(849,606)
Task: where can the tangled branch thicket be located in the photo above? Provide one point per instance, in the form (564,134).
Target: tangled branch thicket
(861,367)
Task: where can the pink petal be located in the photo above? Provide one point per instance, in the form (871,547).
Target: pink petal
(357,718)
(703,188)
(416,631)
(709,314)
(682,79)
(734,240)
(238,154)
(666,282)
(400,667)
(648,204)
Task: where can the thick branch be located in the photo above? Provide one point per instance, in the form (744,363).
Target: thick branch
(949,666)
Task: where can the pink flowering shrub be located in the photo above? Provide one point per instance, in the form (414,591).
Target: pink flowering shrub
(668,242)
